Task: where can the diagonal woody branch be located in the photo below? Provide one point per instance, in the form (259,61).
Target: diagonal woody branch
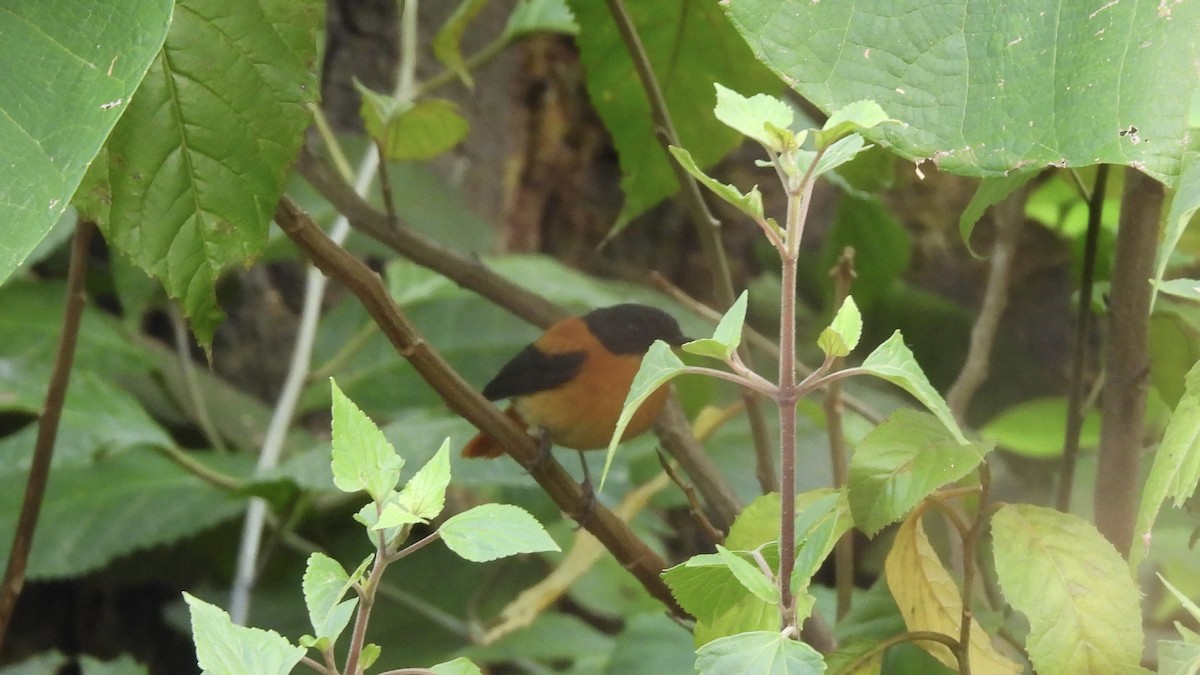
(611,531)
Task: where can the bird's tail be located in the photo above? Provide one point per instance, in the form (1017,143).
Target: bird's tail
(487,447)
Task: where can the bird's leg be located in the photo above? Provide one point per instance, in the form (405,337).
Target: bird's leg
(589,494)
(542,436)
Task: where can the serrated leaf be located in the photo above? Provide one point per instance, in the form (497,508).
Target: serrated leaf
(1077,84)
(689,46)
(420,130)
(94,513)
(447,44)
(726,337)
(749,575)
(759,652)
(1176,469)
(929,600)
(362,457)
(492,531)
(902,461)
(423,497)
(226,99)
(893,361)
(1073,586)
(842,335)
(754,116)
(73,66)
(1184,204)
(659,366)
(749,203)
(850,118)
(535,16)
(991,191)
(325,583)
(223,648)
(1037,428)
(704,586)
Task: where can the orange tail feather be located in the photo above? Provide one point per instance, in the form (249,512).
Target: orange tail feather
(487,447)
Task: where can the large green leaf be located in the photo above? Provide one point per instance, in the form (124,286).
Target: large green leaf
(982,88)
(690,46)
(70,67)
(1073,587)
(197,163)
(93,514)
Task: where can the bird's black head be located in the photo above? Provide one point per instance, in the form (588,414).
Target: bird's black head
(632,328)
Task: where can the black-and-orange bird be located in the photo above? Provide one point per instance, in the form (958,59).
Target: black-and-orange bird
(572,381)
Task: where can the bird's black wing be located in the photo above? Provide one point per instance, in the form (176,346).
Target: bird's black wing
(533,370)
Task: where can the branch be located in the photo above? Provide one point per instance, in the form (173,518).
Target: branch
(1127,361)
(336,262)
(43,451)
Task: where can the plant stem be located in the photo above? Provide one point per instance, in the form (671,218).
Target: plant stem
(843,276)
(43,450)
(1079,358)
(366,602)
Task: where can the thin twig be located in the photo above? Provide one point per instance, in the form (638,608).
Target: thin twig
(199,407)
(1083,319)
(843,552)
(199,469)
(43,449)
(1008,217)
(714,535)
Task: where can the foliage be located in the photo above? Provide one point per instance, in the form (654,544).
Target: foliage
(153,462)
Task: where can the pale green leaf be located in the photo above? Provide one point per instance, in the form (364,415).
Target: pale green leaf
(759,652)
(1037,428)
(1176,469)
(71,67)
(902,461)
(460,666)
(726,337)
(423,496)
(856,656)
(758,117)
(659,366)
(447,44)
(842,335)
(223,648)
(420,130)
(982,89)
(226,99)
(325,583)
(1073,586)
(1184,204)
(749,203)
(1180,288)
(929,600)
(1178,658)
(1187,603)
(536,16)
(894,362)
(362,457)
(849,119)
(991,191)
(492,531)
(749,575)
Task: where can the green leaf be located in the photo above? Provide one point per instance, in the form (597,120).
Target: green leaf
(536,16)
(726,337)
(991,191)
(749,575)
(1037,428)
(423,497)
(1180,288)
(819,525)
(362,457)
(1176,469)
(894,362)
(759,652)
(1178,658)
(420,130)
(325,584)
(223,648)
(492,531)
(1073,586)
(659,366)
(447,44)
(849,119)
(749,203)
(226,99)
(856,656)
(929,600)
(981,90)
(841,336)
(689,45)
(1184,204)
(95,513)
(758,117)
(902,461)
(1187,603)
(72,67)
(460,666)
(841,152)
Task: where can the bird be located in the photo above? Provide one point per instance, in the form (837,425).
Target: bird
(569,385)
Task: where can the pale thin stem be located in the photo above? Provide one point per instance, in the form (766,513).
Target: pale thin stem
(187,367)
